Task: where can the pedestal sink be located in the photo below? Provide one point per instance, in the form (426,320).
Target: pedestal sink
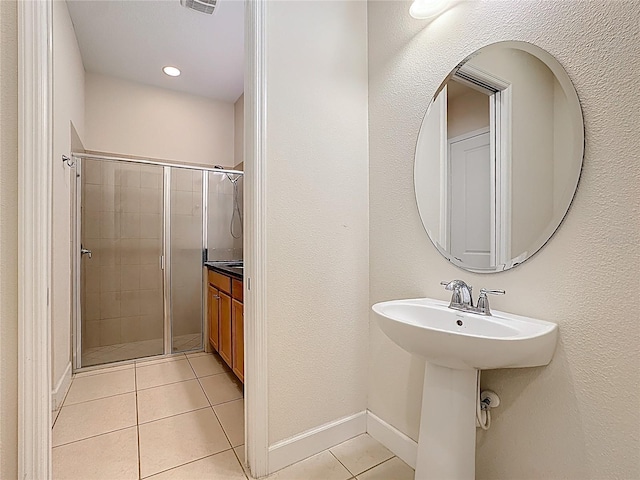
(456,345)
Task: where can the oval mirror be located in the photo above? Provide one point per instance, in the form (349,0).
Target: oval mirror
(498,157)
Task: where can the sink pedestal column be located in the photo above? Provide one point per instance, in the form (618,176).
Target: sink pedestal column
(447,441)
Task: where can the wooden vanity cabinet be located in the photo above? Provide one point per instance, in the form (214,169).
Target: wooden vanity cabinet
(213,314)
(226,319)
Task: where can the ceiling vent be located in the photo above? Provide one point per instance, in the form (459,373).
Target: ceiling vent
(203,6)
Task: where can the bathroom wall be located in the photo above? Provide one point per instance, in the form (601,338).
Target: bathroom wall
(168,125)
(122,282)
(8,240)
(317,220)
(68,116)
(578,417)
(467,111)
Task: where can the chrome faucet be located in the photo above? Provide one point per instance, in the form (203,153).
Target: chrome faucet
(462,297)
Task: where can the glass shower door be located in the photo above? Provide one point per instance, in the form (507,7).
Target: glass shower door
(186,246)
(121,287)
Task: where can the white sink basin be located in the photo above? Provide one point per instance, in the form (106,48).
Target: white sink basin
(461,340)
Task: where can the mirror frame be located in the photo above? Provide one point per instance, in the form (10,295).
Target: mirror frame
(576,114)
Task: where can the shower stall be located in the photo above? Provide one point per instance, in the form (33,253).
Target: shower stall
(143,231)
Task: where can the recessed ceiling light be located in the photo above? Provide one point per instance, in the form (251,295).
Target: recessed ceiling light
(171,71)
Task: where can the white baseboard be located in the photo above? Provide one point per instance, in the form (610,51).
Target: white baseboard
(401,445)
(316,440)
(60,391)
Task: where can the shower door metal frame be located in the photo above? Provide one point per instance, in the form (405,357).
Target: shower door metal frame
(165,257)
(165,262)
(77,270)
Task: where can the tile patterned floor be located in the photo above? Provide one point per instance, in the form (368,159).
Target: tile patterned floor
(182,418)
(145,348)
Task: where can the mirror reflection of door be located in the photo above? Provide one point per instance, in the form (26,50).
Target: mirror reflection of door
(470,189)
(470,216)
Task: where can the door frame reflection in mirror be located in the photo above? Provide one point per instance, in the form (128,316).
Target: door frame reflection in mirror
(499,92)
(568,132)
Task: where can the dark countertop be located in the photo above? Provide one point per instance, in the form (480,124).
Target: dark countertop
(226,268)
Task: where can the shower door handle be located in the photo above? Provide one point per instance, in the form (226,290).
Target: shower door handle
(85,251)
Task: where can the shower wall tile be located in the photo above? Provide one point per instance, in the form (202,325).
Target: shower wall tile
(110,278)
(130,225)
(196,183)
(92,172)
(91,227)
(110,331)
(91,334)
(130,198)
(151,180)
(109,224)
(150,302)
(150,225)
(150,201)
(131,329)
(130,176)
(109,305)
(130,251)
(109,252)
(181,203)
(91,277)
(150,277)
(91,306)
(109,170)
(130,277)
(92,198)
(181,179)
(152,326)
(110,198)
(130,303)
(149,251)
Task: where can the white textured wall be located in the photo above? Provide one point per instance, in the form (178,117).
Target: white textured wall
(68,110)
(8,240)
(317,225)
(578,417)
(134,119)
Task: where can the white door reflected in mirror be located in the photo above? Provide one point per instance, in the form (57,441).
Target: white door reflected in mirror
(498,157)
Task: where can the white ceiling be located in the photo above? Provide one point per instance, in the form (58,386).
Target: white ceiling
(134,39)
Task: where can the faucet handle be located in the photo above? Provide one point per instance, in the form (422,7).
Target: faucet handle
(483,301)
(484,291)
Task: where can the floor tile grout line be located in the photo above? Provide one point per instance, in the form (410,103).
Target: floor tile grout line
(93,436)
(213,410)
(164,384)
(55,420)
(101,398)
(187,463)
(238,459)
(347,468)
(174,415)
(371,468)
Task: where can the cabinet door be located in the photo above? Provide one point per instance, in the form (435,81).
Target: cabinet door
(237,320)
(213,314)
(225,328)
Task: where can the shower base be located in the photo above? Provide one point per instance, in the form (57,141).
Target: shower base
(128,351)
